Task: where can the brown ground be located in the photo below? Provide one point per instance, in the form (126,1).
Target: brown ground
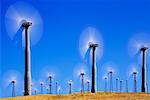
(86,96)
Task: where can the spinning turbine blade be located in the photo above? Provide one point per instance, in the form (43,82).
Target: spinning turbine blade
(90,35)
(87,56)
(16,14)
(8,77)
(137,42)
(110,66)
(79,68)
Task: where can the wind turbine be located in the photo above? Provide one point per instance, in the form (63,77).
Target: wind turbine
(27,76)
(12,82)
(111,80)
(88,85)
(147,87)
(110,69)
(135,81)
(117,79)
(140,44)
(93,46)
(82,81)
(13,88)
(47,90)
(50,84)
(144,81)
(89,41)
(132,73)
(56,88)
(70,86)
(126,85)
(59,89)
(19,18)
(105,78)
(41,86)
(121,81)
(80,70)
(35,91)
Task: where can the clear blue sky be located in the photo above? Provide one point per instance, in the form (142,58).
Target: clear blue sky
(63,23)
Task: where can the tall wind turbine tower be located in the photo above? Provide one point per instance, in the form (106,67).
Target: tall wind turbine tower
(143,87)
(93,46)
(27,76)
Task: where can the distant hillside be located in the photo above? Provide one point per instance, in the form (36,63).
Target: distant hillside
(86,96)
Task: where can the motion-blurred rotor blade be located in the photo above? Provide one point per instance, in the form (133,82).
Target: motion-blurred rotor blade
(16,14)
(90,35)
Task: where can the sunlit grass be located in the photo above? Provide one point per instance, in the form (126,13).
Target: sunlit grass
(87,96)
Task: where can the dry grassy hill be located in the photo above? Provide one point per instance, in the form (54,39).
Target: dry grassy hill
(86,96)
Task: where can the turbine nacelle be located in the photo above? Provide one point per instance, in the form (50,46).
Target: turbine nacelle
(93,45)
(121,80)
(117,79)
(82,74)
(110,72)
(143,48)
(50,77)
(88,81)
(41,83)
(13,81)
(134,73)
(26,24)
